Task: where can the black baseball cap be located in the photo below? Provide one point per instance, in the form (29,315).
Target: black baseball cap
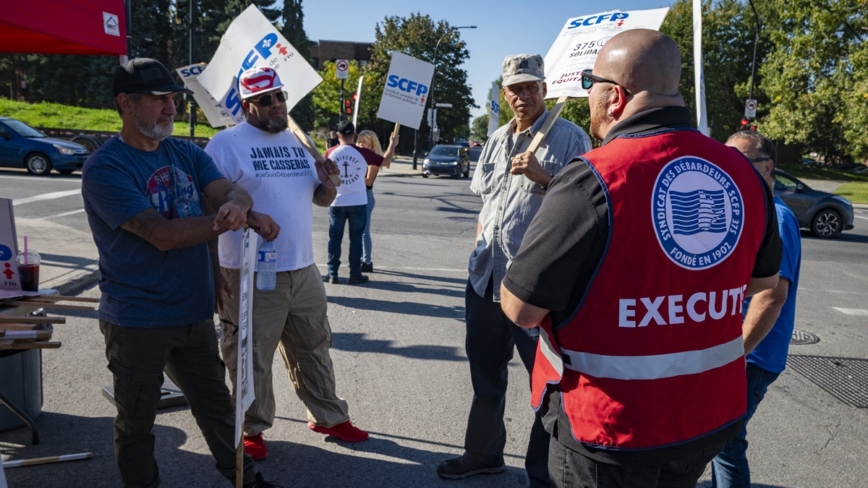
(144,75)
(346,128)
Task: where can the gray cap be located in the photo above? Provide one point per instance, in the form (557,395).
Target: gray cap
(521,68)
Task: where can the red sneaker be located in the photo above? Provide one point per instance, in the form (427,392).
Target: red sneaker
(255,447)
(345,431)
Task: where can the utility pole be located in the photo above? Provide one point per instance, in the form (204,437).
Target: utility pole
(189,96)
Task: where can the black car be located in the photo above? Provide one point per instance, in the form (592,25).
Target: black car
(823,213)
(447,161)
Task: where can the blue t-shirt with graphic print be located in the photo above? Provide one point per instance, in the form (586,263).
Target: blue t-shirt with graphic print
(141,285)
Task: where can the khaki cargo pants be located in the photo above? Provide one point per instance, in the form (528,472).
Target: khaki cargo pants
(292,316)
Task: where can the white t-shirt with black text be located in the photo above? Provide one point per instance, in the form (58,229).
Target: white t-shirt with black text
(280,175)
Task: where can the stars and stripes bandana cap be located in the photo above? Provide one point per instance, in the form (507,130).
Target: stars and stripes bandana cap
(258,80)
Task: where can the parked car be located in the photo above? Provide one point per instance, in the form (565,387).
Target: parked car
(446,160)
(22,146)
(474,153)
(824,214)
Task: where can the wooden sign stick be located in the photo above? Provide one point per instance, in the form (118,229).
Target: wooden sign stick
(46,460)
(314,152)
(547,125)
(397,128)
(239,461)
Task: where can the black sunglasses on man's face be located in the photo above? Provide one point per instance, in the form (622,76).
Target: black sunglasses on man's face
(265,100)
(588,80)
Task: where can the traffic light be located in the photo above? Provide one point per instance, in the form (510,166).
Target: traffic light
(144,49)
(348,105)
(355,96)
(745,124)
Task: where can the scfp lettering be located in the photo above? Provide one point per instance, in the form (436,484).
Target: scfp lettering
(406,85)
(191,71)
(597,19)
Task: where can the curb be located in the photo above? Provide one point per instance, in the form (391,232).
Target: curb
(78,284)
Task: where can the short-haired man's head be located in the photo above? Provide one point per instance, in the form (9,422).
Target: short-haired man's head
(369,139)
(764,147)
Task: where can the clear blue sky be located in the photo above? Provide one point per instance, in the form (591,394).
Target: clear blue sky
(503,28)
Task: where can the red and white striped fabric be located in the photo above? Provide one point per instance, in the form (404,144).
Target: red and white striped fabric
(258,80)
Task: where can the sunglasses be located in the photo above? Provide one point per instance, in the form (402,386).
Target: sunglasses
(588,80)
(265,100)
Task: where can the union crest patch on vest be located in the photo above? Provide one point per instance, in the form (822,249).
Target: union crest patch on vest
(697,212)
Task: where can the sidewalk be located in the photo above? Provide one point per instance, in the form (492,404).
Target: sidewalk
(69,259)
(403,166)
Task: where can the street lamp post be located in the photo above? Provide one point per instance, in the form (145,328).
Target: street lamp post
(755,43)
(431,98)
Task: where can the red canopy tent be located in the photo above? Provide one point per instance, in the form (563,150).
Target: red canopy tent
(63,27)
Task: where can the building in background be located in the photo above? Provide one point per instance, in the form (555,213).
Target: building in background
(324,51)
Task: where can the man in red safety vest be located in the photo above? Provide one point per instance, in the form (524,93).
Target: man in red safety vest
(635,269)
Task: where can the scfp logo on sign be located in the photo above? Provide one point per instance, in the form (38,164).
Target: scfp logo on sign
(406,85)
(597,19)
(192,71)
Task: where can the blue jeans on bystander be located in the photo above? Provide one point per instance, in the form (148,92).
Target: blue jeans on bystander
(730,469)
(357,215)
(366,234)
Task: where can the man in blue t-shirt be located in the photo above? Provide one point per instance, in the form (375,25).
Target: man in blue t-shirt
(146,196)
(769,316)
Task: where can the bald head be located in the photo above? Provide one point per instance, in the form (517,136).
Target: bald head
(641,60)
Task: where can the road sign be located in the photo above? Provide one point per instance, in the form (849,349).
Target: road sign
(342,69)
(750,109)
(444,105)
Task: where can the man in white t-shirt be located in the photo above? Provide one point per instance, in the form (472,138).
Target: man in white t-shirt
(358,169)
(268,161)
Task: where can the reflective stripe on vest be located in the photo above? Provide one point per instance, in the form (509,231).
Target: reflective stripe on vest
(653,367)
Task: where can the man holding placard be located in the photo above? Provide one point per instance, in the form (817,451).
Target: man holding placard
(145,195)
(263,157)
(634,271)
(512,182)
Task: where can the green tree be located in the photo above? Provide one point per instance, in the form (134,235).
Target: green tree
(326,97)
(479,128)
(417,36)
(813,79)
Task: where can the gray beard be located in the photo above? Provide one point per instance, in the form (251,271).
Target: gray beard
(155,131)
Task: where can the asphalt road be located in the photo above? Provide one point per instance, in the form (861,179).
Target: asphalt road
(400,362)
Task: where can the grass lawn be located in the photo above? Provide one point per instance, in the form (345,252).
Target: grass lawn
(856,192)
(57,116)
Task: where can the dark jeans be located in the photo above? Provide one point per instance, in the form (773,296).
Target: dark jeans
(489,346)
(357,215)
(730,467)
(569,469)
(137,357)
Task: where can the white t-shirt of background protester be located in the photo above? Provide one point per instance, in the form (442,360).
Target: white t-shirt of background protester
(281,177)
(353,167)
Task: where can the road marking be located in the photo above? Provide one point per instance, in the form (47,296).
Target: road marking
(46,196)
(36,179)
(860,217)
(833,291)
(852,311)
(449,270)
(64,214)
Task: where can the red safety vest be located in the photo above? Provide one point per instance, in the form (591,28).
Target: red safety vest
(654,355)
